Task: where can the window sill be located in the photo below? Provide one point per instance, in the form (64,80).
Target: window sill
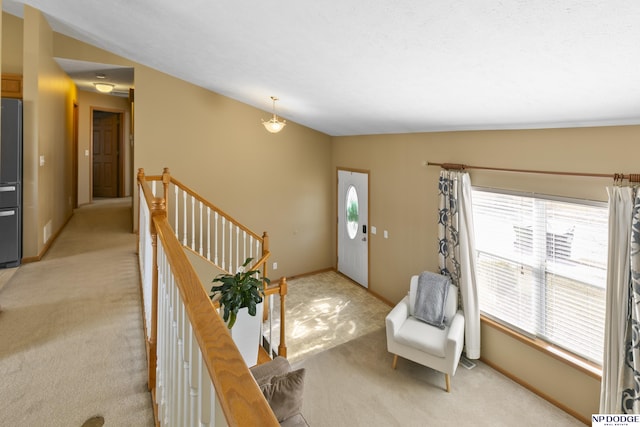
(564,356)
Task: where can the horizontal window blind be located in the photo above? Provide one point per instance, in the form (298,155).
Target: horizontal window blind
(541,267)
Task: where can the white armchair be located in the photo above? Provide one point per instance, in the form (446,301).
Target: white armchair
(413,339)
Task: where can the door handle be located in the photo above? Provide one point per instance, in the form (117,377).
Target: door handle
(7,213)
(6,189)
(364,228)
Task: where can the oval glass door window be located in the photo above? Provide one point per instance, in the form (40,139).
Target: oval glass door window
(352,212)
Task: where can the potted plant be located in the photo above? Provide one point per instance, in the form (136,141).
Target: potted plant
(240,296)
(240,290)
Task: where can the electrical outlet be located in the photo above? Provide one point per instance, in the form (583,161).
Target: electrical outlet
(386,234)
(275,265)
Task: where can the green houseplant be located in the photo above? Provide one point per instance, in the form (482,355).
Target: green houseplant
(240,290)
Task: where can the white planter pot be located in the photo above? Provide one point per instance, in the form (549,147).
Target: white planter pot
(246,334)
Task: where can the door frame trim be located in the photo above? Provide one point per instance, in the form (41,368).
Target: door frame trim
(368,173)
(75,154)
(121,176)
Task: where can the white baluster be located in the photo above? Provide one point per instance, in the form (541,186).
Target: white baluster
(193,223)
(162,341)
(171,356)
(184,217)
(208,233)
(223,248)
(204,402)
(176,212)
(182,367)
(200,214)
(215,238)
(194,392)
(244,245)
(218,414)
(238,261)
(175,360)
(257,248)
(160,332)
(271,325)
(231,269)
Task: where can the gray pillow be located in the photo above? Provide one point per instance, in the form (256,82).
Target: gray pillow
(263,373)
(284,393)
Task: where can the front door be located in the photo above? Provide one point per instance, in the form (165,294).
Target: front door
(353,219)
(106,144)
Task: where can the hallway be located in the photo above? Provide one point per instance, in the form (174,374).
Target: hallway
(71,336)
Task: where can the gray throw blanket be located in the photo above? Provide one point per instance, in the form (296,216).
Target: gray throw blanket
(431,295)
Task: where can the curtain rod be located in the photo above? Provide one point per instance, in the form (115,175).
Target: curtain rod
(616,176)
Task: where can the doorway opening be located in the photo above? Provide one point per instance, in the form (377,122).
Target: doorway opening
(107,160)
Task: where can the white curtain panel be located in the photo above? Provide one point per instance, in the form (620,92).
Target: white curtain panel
(620,376)
(457,251)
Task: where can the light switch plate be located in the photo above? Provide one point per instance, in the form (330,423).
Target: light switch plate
(41,160)
(373,230)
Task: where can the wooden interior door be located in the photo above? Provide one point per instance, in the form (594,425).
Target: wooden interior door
(106,144)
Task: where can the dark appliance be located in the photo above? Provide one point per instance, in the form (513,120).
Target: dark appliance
(11,183)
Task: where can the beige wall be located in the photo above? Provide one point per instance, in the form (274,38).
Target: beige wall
(404,192)
(11,44)
(87,102)
(277,183)
(48,100)
(404,198)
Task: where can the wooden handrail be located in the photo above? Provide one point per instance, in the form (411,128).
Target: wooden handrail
(239,396)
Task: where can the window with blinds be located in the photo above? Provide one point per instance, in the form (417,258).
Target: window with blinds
(541,267)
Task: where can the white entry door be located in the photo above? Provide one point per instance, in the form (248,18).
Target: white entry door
(353,227)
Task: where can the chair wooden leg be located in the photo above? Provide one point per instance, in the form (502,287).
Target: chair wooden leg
(395,361)
(447,380)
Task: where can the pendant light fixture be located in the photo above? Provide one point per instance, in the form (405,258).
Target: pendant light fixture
(274,125)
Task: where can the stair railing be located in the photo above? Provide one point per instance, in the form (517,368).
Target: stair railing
(196,373)
(211,233)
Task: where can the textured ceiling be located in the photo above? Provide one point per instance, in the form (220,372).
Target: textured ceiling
(347,67)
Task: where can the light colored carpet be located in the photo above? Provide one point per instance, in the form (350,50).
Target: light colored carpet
(354,385)
(71,336)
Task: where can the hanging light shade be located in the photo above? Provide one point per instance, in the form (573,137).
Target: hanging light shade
(104,87)
(273,125)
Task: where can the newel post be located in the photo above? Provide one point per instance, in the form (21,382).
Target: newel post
(158,210)
(166,178)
